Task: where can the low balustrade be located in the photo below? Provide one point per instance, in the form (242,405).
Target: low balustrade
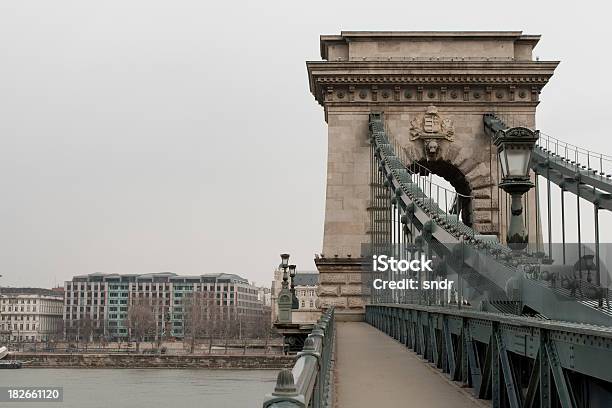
(308,384)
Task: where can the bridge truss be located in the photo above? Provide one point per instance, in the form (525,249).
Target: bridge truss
(517,321)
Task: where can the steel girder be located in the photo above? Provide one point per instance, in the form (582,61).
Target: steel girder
(481,349)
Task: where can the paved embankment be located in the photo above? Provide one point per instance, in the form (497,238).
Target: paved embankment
(84,360)
(372,369)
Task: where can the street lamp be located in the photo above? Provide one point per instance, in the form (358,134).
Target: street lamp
(514,147)
(285,301)
(284,260)
(285,264)
(295,304)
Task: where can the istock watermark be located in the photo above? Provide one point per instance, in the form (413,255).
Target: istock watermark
(383,263)
(411,284)
(394,271)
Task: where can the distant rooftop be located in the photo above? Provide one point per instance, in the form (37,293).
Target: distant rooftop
(30,291)
(306,279)
(158,277)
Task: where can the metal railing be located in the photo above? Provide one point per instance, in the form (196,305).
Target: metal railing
(597,163)
(308,384)
(508,360)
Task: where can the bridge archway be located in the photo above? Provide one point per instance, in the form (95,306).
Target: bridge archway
(462,202)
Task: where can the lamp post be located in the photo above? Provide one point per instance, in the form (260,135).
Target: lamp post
(284,265)
(514,147)
(285,300)
(295,303)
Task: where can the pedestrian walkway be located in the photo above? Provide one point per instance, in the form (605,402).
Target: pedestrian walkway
(374,370)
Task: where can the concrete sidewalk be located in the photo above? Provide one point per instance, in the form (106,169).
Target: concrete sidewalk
(373,370)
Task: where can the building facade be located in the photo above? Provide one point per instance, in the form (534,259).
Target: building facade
(264,295)
(29,314)
(98,305)
(306,291)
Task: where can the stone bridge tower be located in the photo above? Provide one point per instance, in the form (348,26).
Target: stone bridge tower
(425,83)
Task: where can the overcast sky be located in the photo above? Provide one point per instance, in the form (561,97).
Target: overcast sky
(145,136)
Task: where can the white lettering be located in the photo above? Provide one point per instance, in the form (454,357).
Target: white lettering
(411,284)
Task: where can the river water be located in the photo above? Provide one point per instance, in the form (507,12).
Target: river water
(146,388)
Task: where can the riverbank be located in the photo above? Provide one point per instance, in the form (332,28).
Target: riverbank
(106,360)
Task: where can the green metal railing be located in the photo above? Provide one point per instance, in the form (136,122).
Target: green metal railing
(308,384)
(512,361)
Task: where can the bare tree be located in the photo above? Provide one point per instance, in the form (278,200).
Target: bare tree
(214,325)
(161,315)
(98,330)
(86,329)
(56,333)
(230,326)
(195,317)
(140,321)
(70,331)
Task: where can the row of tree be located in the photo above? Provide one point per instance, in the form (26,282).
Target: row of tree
(203,319)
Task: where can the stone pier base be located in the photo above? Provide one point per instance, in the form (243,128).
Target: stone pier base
(341,284)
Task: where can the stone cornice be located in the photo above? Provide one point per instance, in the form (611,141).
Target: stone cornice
(430,34)
(324,76)
(436,64)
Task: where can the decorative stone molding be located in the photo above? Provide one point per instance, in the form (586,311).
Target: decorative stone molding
(512,88)
(419,80)
(328,290)
(400,95)
(461,79)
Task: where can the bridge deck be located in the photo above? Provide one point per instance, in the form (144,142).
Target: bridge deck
(373,369)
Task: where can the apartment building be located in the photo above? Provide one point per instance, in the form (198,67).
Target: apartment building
(97,305)
(29,314)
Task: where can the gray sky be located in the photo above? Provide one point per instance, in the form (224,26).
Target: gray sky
(144,136)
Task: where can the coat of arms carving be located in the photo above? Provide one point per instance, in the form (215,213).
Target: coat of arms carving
(430,127)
